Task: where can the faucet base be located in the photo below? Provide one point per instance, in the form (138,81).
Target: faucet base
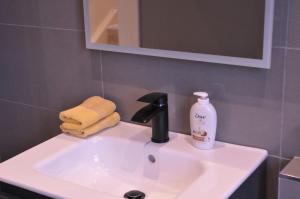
(159,140)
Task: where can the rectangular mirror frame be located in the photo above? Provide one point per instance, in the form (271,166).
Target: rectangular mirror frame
(265,62)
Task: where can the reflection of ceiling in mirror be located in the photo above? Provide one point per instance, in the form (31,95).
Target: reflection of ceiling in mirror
(104,21)
(114,22)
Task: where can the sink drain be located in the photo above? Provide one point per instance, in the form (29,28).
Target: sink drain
(134,194)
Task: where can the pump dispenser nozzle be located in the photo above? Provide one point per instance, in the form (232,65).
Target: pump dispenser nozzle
(203,96)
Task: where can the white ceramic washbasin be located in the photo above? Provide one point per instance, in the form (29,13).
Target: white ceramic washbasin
(122,158)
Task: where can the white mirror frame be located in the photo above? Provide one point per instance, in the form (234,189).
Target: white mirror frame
(265,62)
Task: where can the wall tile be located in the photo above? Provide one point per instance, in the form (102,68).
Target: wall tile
(291,136)
(53,13)
(23,127)
(280,23)
(48,68)
(294,24)
(247,100)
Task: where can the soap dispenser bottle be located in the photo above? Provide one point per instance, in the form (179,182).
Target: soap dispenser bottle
(203,122)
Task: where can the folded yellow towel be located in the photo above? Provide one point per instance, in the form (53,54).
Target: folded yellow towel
(90,111)
(109,121)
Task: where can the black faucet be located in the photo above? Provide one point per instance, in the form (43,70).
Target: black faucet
(157,110)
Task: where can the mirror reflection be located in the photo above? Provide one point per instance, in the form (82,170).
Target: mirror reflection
(229,28)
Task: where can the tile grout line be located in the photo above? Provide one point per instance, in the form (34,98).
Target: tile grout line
(292,48)
(278,157)
(28,105)
(285,48)
(284,83)
(278,47)
(101,75)
(41,27)
(82,30)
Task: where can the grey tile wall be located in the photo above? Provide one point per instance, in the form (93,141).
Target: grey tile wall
(46,60)
(294,24)
(280,23)
(66,14)
(24,126)
(45,68)
(291,133)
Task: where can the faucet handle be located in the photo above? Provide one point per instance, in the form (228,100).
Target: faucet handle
(159,99)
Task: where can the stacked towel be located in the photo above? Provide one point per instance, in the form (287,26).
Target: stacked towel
(90,117)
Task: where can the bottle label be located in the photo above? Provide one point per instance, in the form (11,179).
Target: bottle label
(201,136)
(200,117)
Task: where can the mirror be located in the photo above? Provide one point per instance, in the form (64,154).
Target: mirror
(235,32)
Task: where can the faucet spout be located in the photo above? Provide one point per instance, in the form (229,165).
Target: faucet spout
(145,114)
(157,111)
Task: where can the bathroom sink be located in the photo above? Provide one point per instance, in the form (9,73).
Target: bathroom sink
(117,165)
(122,159)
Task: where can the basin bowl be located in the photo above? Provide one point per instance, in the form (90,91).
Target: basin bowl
(116,166)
